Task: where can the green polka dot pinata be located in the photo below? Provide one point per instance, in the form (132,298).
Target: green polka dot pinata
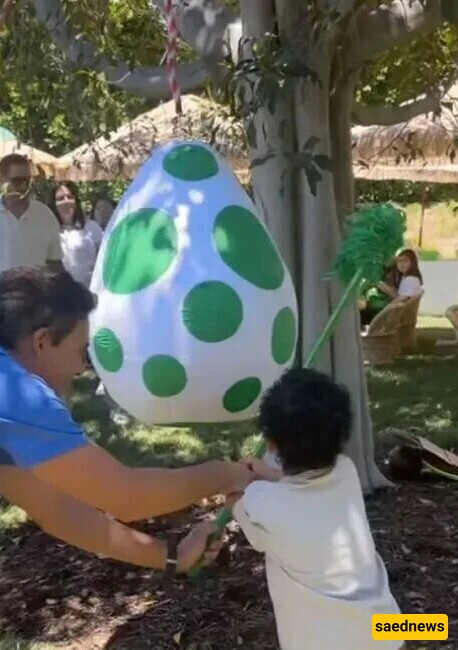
(196,312)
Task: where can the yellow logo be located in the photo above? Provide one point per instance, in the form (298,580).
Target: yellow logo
(410,627)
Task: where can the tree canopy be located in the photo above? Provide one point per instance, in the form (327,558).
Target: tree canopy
(56,104)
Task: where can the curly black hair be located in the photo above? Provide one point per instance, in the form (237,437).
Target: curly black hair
(308,418)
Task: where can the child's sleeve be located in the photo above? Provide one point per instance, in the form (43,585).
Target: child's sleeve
(250,513)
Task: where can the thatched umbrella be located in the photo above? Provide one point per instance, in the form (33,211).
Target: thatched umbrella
(121,154)
(422,150)
(44,165)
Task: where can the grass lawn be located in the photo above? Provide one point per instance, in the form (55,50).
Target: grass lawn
(10,643)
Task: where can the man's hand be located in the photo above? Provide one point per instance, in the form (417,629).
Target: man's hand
(240,476)
(231,499)
(195,547)
(262,471)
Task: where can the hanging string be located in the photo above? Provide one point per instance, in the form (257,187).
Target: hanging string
(172,56)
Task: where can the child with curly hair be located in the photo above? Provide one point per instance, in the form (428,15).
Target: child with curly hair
(325,577)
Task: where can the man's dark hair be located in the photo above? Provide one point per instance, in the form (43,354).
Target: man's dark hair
(33,297)
(12,159)
(308,417)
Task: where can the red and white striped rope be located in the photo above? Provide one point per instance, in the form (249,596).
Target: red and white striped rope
(172,55)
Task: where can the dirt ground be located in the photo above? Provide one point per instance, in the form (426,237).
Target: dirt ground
(51,592)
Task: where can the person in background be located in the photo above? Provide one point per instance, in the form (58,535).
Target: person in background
(29,233)
(103,207)
(50,468)
(401,281)
(324,574)
(409,281)
(80,239)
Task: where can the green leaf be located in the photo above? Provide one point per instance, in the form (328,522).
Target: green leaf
(252,135)
(323,162)
(282,129)
(311,143)
(260,160)
(312,173)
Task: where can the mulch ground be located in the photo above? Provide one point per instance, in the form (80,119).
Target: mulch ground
(51,592)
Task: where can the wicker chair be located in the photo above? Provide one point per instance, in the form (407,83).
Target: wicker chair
(381,340)
(407,330)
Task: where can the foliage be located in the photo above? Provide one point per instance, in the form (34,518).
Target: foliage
(404,192)
(403,73)
(47,102)
(87,191)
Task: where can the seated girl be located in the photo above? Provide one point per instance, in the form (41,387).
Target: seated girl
(325,577)
(400,282)
(409,281)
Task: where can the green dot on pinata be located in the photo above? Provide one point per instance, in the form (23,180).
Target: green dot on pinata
(164,376)
(190,162)
(108,350)
(140,250)
(212,312)
(245,246)
(242,394)
(283,335)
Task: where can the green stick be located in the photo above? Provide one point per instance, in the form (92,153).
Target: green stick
(225,515)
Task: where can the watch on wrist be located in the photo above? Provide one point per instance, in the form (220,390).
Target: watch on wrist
(172,560)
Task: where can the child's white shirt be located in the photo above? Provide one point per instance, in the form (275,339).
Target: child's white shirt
(325,578)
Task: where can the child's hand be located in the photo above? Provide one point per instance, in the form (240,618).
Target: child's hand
(262,471)
(195,546)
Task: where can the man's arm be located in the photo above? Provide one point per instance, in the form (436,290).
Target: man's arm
(78,524)
(82,526)
(93,476)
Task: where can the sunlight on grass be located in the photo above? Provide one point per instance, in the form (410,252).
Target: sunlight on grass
(11,517)
(13,643)
(434,322)
(389,377)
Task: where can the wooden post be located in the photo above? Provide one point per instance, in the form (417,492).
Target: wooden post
(424,204)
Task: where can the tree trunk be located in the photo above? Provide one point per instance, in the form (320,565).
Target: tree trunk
(347,353)
(313,221)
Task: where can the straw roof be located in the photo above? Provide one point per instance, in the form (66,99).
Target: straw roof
(121,154)
(423,149)
(44,165)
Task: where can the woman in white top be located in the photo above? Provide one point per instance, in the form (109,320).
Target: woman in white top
(80,239)
(408,281)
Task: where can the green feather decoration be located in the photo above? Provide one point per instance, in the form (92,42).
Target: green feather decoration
(375,235)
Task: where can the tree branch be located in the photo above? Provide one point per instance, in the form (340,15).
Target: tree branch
(212,31)
(390,114)
(390,25)
(149,82)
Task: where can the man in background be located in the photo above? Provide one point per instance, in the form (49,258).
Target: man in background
(29,232)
